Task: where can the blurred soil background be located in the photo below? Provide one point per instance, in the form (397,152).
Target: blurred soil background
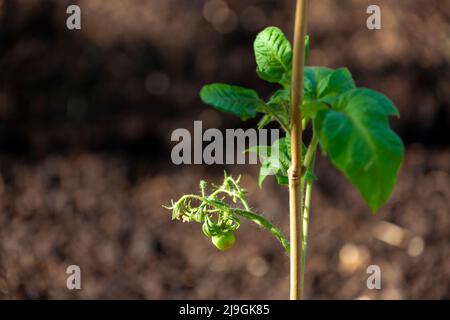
(85,124)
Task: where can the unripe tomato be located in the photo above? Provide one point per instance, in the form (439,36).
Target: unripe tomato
(224,241)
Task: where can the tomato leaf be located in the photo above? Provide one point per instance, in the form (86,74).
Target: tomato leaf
(276,161)
(278,105)
(310,108)
(280,97)
(312,77)
(265,120)
(336,82)
(273,54)
(236,100)
(356,136)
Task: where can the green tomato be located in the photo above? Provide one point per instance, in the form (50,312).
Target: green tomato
(224,241)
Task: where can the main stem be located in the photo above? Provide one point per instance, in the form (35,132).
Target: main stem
(295,185)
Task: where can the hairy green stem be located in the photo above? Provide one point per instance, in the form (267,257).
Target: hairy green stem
(309,156)
(263,222)
(308,163)
(306,210)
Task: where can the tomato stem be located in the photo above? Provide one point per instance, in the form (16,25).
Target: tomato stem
(266,224)
(295,170)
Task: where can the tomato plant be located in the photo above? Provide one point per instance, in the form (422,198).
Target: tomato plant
(349,123)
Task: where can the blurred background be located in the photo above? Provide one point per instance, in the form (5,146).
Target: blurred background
(85,124)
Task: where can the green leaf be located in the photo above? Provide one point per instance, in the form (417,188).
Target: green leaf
(335,83)
(280,97)
(276,161)
(261,151)
(236,100)
(266,168)
(280,160)
(356,136)
(278,106)
(282,179)
(310,108)
(273,54)
(264,171)
(265,120)
(322,86)
(312,77)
